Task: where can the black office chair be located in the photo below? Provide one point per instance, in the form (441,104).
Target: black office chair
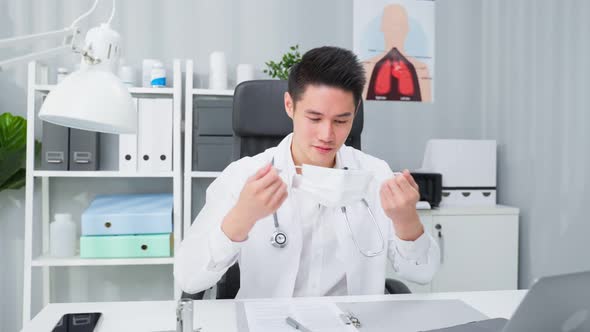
(260,122)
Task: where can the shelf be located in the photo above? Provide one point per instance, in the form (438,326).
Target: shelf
(200,174)
(77,261)
(211,92)
(100,174)
(46,88)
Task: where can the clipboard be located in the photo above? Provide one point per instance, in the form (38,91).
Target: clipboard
(398,315)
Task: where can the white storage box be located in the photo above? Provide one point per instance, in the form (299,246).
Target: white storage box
(468,169)
(468,197)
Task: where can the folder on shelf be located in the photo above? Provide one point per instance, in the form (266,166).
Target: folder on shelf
(154,137)
(128,150)
(128,214)
(83,150)
(54,147)
(126,246)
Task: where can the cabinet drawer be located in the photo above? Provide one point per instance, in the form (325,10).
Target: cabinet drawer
(132,214)
(213,116)
(212,153)
(126,246)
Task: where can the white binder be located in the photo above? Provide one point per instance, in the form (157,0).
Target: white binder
(128,150)
(154,137)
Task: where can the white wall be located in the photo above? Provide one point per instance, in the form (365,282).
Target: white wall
(536,102)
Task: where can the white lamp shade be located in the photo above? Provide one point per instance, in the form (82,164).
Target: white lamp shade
(91,99)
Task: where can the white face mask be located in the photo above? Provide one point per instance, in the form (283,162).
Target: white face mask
(333,187)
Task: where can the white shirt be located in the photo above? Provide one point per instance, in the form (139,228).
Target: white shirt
(321,271)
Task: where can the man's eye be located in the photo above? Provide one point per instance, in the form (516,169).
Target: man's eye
(341,121)
(314,119)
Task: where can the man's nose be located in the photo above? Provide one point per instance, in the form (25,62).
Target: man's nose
(326,132)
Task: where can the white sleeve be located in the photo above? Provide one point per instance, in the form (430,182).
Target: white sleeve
(206,252)
(417,260)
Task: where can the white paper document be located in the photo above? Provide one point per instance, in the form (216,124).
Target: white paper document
(317,317)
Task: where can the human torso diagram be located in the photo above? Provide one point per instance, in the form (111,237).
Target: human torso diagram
(394,77)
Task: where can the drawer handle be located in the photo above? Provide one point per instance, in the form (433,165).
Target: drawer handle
(441,242)
(487,194)
(466,194)
(144,247)
(107,224)
(446,194)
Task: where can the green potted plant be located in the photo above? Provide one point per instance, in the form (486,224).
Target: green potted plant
(281,69)
(13,151)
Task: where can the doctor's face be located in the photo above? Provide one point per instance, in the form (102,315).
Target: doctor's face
(322,120)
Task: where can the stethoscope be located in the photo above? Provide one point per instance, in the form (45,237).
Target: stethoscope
(279,238)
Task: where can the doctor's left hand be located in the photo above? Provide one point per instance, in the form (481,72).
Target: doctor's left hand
(399,196)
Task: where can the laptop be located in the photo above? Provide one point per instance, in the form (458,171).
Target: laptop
(558,304)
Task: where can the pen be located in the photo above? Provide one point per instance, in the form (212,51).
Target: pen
(296,325)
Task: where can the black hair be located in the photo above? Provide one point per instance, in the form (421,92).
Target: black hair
(332,66)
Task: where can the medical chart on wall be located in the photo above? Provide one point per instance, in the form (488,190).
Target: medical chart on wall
(394,39)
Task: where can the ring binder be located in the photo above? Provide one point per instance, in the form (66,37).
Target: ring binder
(350,319)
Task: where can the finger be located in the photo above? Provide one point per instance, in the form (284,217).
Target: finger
(394,187)
(404,184)
(279,198)
(386,196)
(399,196)
(409,194)
(267,180)
(270,191)
(260,173)
(410,179)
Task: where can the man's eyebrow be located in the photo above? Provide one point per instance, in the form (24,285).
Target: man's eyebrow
(343,115)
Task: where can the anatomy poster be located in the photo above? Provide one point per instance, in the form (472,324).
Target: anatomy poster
(395,41)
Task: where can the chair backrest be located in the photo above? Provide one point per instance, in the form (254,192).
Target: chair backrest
(260,122)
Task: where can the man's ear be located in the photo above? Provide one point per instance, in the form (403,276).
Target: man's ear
(289,105)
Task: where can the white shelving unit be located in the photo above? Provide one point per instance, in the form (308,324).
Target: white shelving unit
(44,261)
(189,121)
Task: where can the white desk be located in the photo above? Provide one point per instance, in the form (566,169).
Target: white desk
(220,315)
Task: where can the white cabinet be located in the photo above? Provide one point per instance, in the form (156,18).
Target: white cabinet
(479,249)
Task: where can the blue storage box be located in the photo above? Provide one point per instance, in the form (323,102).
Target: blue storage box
(128,214)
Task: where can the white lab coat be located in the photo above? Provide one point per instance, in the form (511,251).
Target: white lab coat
(206,253)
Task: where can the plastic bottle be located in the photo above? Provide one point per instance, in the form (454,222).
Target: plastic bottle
(158,75)
(62,236)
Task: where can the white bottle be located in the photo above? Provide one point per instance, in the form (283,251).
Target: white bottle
(127,76)
(62,236)
(217,71)
(158,76)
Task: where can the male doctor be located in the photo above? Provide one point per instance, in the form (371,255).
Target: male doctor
(329,250)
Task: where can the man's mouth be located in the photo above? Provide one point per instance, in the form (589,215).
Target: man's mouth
(323,149)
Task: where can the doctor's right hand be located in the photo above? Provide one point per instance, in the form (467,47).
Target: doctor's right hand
(263,194)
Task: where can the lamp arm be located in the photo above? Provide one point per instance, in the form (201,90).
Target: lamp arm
(69,35)
(28,39)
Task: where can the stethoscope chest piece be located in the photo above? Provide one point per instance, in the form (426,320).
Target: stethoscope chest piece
(278,239)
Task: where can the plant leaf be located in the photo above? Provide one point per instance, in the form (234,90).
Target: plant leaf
(16,181)
(13,139)
(13,131)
